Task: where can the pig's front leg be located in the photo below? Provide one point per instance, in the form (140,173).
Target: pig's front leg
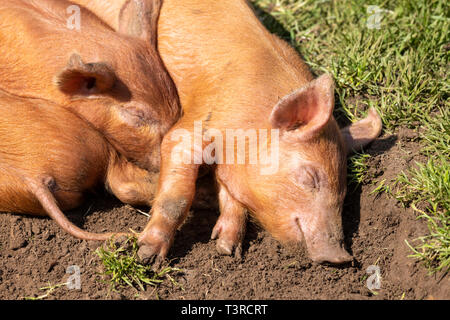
(170,208)
(230,227)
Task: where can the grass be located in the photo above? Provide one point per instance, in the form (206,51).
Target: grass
(357,167)
(122,268)
(429,184)
(400,67)
(48,291)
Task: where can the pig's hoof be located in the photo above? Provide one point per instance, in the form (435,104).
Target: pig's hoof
(153,248)
(225,245)
(228,248)
(147,255)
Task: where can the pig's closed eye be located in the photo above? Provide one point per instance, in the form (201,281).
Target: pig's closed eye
(309,178)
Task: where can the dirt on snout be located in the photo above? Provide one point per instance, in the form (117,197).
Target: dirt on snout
(35,253)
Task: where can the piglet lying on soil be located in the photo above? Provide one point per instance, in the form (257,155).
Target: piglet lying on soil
(231,75)
(43,56)
(49,157)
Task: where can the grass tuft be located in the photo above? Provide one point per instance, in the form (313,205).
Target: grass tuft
(357,168)
(121,267)
(48,291)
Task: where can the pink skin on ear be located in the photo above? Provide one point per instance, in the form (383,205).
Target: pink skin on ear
(79,78)
(307,109)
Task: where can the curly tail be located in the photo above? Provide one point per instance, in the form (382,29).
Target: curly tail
(50,205)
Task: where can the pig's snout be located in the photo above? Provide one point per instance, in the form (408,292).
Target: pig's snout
(324,241)
(331,254)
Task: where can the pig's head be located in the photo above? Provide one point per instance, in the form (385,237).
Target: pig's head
(127,75)
(303,199)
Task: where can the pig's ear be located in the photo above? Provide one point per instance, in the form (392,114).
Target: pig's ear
(361,133)
(306,110)
(138,18)
(79,78)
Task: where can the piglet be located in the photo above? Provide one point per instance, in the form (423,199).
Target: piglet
(44,54)
(231,73)
(50,157)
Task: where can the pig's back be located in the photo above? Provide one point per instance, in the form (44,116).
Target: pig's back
(219,50)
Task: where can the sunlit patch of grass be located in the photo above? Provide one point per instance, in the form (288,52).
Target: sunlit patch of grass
(357,168)
(48,291)
(430,184)
(381,187)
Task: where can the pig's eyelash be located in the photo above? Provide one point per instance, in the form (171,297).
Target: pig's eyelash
(309,178)
(314,179)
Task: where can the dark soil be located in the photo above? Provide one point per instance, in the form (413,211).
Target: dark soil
(34,252)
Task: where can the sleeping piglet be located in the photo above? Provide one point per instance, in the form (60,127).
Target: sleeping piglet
(50,157)
(133,100)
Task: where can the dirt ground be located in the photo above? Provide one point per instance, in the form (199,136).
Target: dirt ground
(34,252)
